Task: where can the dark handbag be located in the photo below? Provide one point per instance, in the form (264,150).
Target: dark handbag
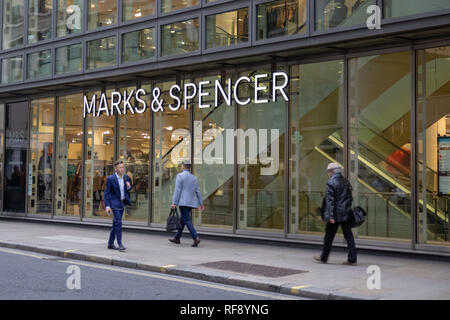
(173,221)
(359,216)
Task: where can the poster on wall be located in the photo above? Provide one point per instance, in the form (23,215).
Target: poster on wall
(444,165)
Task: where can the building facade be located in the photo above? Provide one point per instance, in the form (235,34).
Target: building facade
(260,96)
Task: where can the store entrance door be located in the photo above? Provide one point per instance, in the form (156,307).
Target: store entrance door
(16,147)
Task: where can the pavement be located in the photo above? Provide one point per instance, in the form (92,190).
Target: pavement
(276,268)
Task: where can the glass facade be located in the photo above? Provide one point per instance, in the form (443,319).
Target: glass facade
(12,69)
(39,65)
(69,59)
(138,45)
(102,13)
(101,53)
(400,8)
(69,17)
(13,23)
(135,9)
(181,37)
(173,5)
(280,18)
(340,13)
(227,28)
(39,20)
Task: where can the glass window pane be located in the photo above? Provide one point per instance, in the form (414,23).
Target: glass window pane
(40,20)
(380,142)
(172,5)
(69,155)
(99,159)
(134,150)
(39,64)
(13,23)
(261,200)
(16,156)
(227,28)
(40,166)
(12,69)
(138,45)
(101,53)
(281,18)
(135,9)
(2,145)
(400,8)
(316,130)
(69,59)
(340,13)
(69,17)
(180,37)
(170,130)
(433,121)
(102,13)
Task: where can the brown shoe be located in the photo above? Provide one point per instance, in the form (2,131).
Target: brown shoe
(175,241)
(318,259)
(347,263)
(196,242)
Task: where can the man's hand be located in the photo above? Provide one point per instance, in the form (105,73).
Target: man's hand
(332,221)
(202,207)
(128,185)
(108,211)
(173,206)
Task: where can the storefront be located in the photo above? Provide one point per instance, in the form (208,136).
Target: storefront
(259,95)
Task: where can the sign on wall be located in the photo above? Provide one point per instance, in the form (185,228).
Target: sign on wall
(444,165)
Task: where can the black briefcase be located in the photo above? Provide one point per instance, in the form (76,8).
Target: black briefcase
(173,221)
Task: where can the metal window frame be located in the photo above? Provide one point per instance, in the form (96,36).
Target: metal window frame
(417,16)
(126,31)
(110,34)
(52,23)
(104,28)
(177,11)
(66,74)
(146,18)
(31,51)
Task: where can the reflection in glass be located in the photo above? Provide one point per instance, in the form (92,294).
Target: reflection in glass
(102,13)
(227,28)
(170,127)
(261,174)
(433,120)
(172,5)
(16,147)
(13,23)
(134,151)
(138,45)
(69,17)
(101,53)
(340,13)
(69,59)
(316,131)
(99,159)
(380,142)
(12,69)
(401,8)
(2,146)
(39,64)
(215,176)
(180,37)
(135,9)
(39,20)
(281,18)
(40,166)
(69,156)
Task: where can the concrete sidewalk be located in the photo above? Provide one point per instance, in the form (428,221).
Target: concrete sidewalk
(401,278)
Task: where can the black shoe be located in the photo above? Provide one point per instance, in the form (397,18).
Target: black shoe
(318,259)
(175,241)
(348,263)
(113,247)
(196,242)
(122,248)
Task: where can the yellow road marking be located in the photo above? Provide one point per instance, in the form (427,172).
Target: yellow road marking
(162,277)
(68,251)
(164,268)
(295,290)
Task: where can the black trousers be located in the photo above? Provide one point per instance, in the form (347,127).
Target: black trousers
(330,232)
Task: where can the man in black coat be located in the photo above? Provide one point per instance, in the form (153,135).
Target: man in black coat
(338,212)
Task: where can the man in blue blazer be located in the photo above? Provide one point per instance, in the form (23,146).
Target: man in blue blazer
(187,196)
(117,196)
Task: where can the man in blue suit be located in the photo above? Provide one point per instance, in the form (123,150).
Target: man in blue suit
(187,196)
(116,196)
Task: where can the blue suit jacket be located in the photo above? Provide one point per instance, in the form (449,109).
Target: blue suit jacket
(187,192)
(112,192)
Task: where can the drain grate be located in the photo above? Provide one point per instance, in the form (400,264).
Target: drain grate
(253,269)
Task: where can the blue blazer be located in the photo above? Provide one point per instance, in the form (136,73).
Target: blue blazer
(187,192)
(112,192)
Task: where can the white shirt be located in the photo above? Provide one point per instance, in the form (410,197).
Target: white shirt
(122,186)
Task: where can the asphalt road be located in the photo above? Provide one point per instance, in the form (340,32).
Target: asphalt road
(26,275)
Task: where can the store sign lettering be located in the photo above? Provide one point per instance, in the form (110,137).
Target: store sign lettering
(134,102)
